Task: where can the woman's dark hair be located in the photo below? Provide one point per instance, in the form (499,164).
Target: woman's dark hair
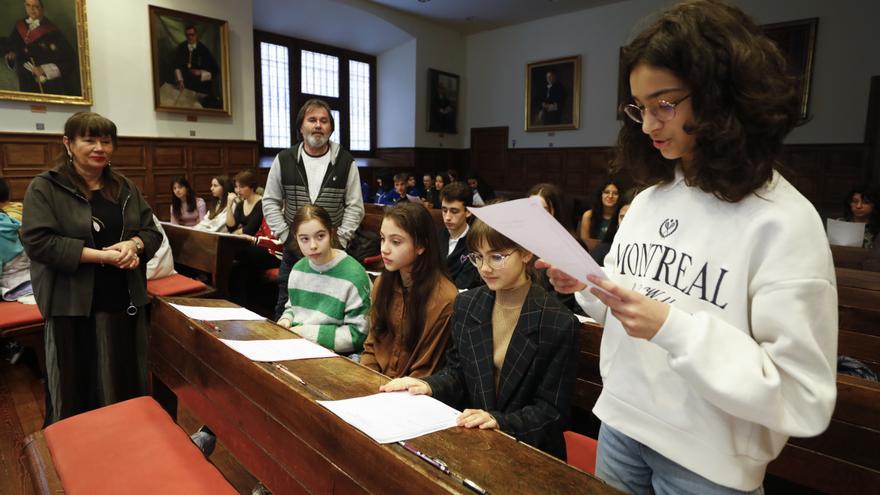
(481,232)
(314,212)
(427,271)
(871,194)
(220,203)
(442,179)
(306,108)
(176,204)
(451,176)
(744,103)
(552,196)
(247,178)
(599,213)
(81,125)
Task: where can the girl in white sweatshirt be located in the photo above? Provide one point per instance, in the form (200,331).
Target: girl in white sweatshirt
(720,307)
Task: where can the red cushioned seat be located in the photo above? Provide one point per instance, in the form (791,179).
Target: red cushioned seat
(174,285)
(14,314)
(581,451)
(131,447)
(271,274)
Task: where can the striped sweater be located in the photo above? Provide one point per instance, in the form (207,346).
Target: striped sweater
(329,304)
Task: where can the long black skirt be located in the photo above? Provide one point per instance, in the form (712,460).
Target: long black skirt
(94,361)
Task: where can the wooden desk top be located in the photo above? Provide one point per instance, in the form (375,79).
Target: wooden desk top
(274,427)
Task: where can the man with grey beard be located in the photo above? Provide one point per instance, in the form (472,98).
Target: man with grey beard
(315,171)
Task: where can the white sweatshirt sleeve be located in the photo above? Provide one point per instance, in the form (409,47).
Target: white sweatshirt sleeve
(783,375)
(273,202)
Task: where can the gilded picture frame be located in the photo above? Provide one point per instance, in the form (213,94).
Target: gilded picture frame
(190,59)
(797,41)
(44,57)
(553,94)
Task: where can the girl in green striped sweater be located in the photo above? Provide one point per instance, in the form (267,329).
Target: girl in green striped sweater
(329,291)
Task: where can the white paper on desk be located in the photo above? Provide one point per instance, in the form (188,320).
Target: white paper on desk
(842,233)
(279,350)
(394,416)
(527,223)
(208,313)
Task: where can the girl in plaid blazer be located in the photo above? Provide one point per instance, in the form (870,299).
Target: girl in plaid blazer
(512,360)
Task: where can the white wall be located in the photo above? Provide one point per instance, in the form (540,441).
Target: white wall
(395,96)
(122,89)
(845,60)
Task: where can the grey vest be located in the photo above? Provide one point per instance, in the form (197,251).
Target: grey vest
(295,183)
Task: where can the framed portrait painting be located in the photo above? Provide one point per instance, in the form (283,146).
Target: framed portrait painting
(190,62)
(443,102)
(797,41)
(44,52)
(553,94)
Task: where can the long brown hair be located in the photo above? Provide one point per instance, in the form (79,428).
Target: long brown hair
(427,271)
(220,204)
(88,124)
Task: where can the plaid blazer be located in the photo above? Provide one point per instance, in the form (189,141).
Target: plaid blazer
(537,377)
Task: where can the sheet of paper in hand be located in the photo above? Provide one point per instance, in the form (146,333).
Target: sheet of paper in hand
(528,224)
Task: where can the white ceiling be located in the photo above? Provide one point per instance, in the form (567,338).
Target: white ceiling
(361,25)
(471,16)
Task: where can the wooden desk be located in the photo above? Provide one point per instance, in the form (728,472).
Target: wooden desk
(209,252)
(274,427)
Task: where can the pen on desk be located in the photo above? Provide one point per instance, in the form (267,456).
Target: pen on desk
(430,460)
(473,486)
(211,325)
(289,373)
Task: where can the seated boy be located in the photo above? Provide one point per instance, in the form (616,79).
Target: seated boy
(454,200)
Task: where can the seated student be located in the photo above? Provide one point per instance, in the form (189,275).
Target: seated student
(599,223)
(861,207)
(383,188)
(15,276)
(481,191)
(398,194)
(412,187)
(412,299)
(244,207)
(454,200)
(329,290)
(513,358)
(186,208)
(215,220)
(432,194)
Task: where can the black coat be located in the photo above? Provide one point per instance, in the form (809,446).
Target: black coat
(537,378)
(462,273)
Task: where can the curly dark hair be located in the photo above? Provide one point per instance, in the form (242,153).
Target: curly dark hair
(743,101)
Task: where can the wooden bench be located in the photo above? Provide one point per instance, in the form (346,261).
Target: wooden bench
(843,459)
(131,447)
(209,252)
(858,299)
(855,258)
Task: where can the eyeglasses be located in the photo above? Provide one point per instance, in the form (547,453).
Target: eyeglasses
(496,261)
(663,110)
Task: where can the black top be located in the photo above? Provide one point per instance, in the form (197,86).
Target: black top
(111,285)
(250,223)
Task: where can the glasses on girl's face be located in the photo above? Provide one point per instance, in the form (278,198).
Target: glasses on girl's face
(662,110)
(496,261)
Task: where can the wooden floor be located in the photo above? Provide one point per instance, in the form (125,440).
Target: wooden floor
(22,406)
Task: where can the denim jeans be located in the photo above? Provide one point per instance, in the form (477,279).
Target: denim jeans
(635,468)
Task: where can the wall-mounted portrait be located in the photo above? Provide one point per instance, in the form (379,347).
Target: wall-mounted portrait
(553,94)
(797,41)
(190,62)
(443,102)
(44,52)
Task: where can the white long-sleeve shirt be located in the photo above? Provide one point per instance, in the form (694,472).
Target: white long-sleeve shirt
(747,356)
